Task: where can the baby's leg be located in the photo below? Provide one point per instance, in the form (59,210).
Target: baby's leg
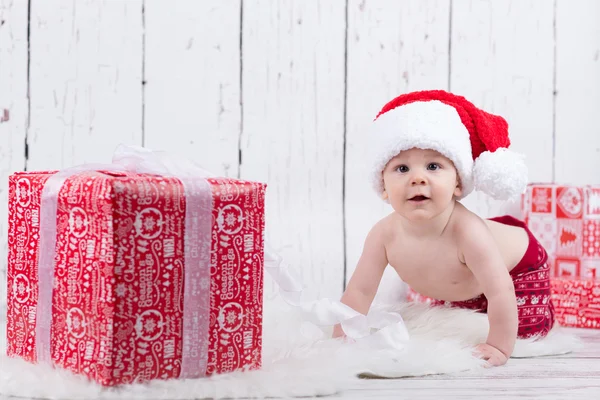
(534,303)
(532,286)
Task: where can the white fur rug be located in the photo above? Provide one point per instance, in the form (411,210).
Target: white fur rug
(299,360)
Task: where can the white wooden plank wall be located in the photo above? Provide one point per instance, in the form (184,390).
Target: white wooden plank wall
(502,59)
(192,81)
(577,134)
(293,130)
(13,110)
(84,81)
(284,92)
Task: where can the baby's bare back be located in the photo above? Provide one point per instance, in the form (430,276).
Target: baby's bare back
(434,266)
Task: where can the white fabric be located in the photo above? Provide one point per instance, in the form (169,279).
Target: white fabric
(423,124)
(300,360)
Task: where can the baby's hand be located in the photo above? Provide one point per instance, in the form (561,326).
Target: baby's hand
(338,332)
(491,354)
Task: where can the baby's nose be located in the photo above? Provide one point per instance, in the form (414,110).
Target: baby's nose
(418,180)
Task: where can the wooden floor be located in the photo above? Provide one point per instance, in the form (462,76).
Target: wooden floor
(571,376)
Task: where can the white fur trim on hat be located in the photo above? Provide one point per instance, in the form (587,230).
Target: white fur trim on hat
(426,125)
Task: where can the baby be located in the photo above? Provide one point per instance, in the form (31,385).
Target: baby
(431,149)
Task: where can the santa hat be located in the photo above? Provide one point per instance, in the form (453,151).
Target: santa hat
(475,141)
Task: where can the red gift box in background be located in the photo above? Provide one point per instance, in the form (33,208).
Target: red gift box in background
(566,221)
(116,312)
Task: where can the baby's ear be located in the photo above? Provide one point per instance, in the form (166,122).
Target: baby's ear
(458,188)
(457,191)
(384,195)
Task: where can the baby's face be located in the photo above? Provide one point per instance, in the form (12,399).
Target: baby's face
(420,184)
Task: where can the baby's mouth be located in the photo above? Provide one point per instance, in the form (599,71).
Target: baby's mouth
(418,198)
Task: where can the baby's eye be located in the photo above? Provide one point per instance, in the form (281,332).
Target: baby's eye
(433,166)
(402,168)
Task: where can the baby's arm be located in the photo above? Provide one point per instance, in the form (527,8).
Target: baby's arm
(482,256)
(365,280)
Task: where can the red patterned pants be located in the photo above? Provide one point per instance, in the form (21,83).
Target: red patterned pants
(531,278)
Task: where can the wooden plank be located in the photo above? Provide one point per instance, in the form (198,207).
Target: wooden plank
(586,333)
(520,378)
(85,80)
(393,47)
(591,341)
(532,368)
(293,126)
(502,58)
(13,110)
(577,158)
(192,74)
(557,389)
(547,377)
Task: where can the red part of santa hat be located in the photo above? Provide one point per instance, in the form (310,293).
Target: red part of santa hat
(476,141)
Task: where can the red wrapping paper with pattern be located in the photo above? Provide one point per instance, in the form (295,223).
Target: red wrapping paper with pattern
(576,302)
(117,303)
(566,221)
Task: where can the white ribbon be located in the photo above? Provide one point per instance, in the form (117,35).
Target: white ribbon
(197,240)
(390,329)
(48,209)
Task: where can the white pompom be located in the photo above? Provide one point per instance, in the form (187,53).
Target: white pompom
(501,174)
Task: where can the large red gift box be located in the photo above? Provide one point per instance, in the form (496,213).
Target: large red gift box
(122,304)
(566,221)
